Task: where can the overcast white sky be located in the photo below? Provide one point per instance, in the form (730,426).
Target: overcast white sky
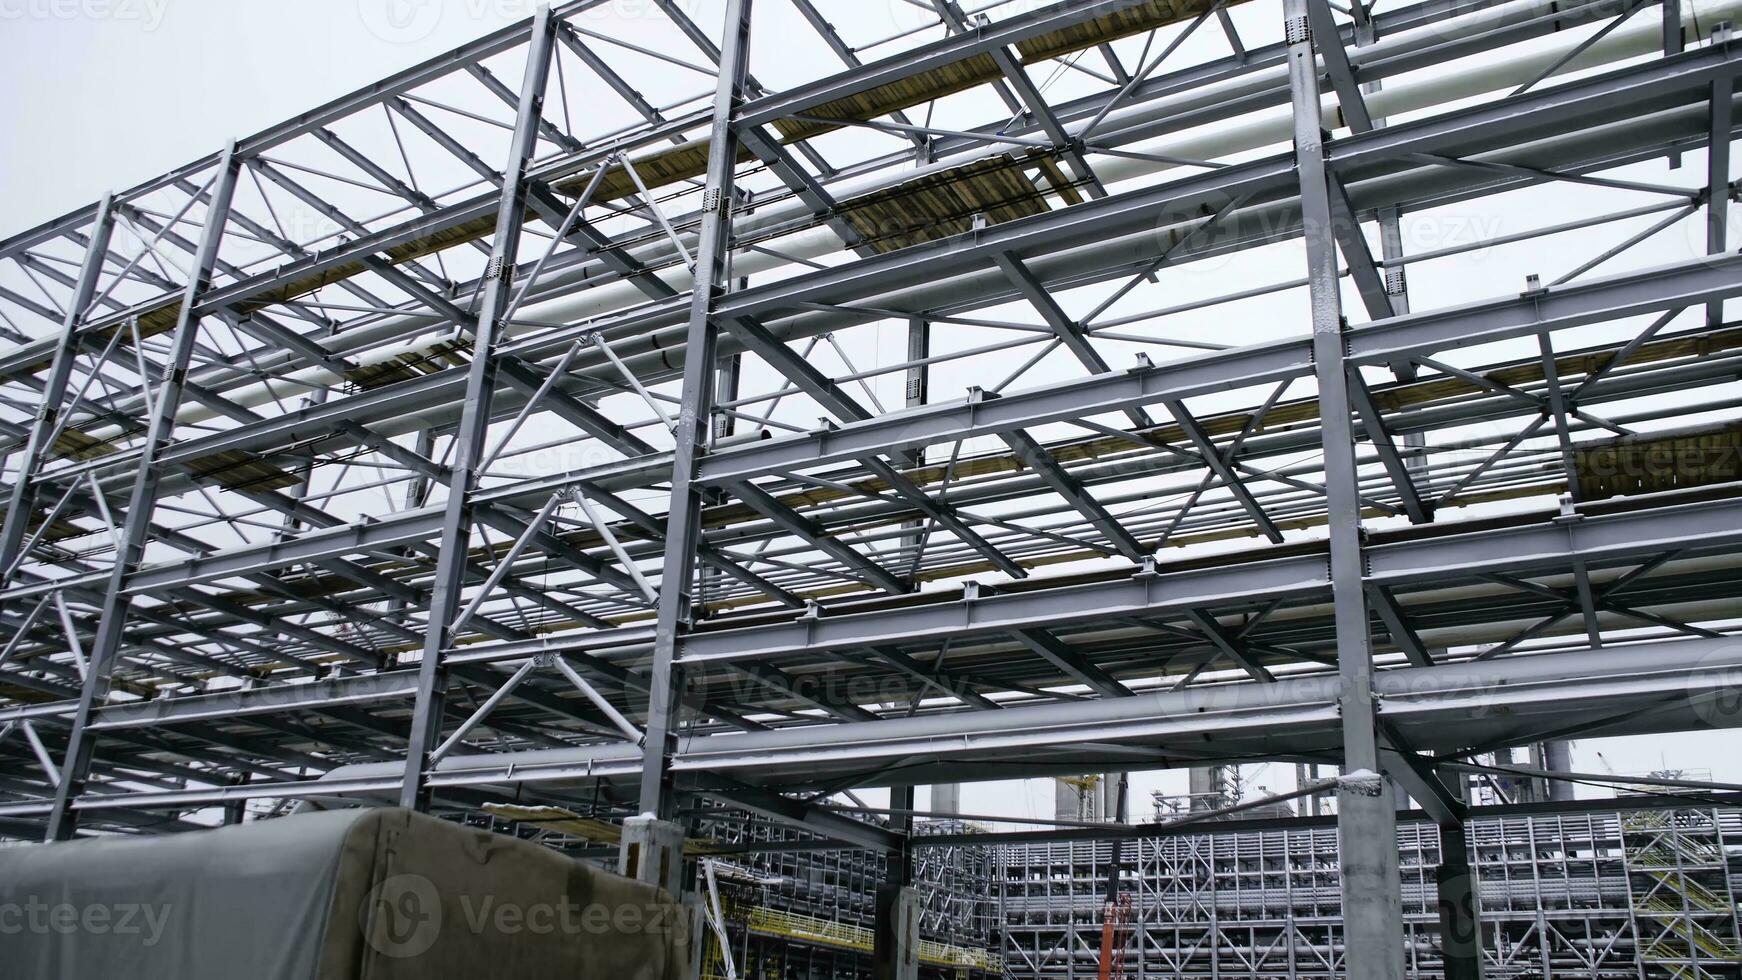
(99,94)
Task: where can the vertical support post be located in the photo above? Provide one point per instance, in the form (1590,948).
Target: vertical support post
(1366,822)
(945,797)
(895,943)
(1718,178)
(683,520)
(22,500)
(901,821)
(136,526)
(469,440)
(726,388)
(1459,901)
(1672,45)
(652,851)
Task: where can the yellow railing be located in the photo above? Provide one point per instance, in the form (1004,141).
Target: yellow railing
(841,935)
(1659,849)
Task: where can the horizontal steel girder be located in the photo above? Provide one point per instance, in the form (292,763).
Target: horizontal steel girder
(1435,559)
(1640,688)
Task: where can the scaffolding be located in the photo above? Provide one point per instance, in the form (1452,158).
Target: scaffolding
(1626,894)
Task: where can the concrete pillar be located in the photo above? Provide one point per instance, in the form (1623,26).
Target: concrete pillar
(895,956)
(652,851)
(698,936)
(1460,907)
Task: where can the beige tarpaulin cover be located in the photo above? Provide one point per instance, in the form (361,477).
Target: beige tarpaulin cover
(348,895)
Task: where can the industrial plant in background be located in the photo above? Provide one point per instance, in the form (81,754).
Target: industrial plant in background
(671,444)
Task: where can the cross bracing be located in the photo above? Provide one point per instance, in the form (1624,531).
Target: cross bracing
(592,418)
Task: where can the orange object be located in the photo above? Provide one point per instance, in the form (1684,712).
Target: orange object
(1115,930)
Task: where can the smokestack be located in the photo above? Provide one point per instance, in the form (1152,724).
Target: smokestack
(946,798)
(1077,798)
(1557,756)
(1208,786)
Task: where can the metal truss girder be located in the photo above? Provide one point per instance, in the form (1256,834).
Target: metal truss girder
(1229,645)
(1373,421)
(1074,664)
(1432,560)
(1446,706)
(1421,780)
(1036,458)
(1648,687)
(1650,86)
(942,514)
(1572,305)
(1212,457)
(328,114)
(363,689)
(925,57)
(1383,133)
(809,817)
(812,533)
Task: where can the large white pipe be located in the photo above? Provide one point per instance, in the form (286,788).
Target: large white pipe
(1224,139)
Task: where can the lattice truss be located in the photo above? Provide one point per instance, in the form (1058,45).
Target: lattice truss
(393,450)
(1562,895)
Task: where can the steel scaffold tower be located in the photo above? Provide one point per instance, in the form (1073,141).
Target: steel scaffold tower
(736,419)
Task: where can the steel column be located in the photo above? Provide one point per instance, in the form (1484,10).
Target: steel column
(468,450)
(106,645)
(23,497)
(683,518)
(1366,823)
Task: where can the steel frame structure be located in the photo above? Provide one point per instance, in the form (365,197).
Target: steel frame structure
(1558,898)
(545,458)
